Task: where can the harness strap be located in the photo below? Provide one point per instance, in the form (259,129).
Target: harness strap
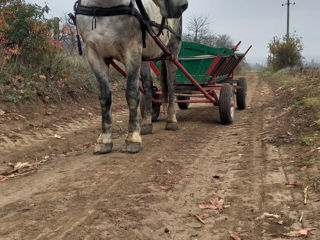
(142,16)
(103,12)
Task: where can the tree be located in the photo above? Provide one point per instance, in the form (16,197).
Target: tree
(223,41)
(285,52)
(199,32)
(198,28)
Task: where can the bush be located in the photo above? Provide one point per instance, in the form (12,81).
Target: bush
(33,63)
(26,36)
(285,52)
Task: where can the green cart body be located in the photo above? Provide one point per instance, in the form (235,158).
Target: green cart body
(198,58)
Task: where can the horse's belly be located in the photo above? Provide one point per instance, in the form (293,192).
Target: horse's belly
(112,37)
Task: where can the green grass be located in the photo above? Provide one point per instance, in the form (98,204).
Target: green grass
(311,103)
(267,74)
(306,141)
(283,77)
(288,82)
(308,163)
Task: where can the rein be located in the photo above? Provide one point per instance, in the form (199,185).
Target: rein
(141,15)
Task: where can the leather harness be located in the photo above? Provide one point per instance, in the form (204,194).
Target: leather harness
(142,16)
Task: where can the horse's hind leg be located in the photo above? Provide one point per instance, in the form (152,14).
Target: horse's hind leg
(133,141)
(101,71)
(172,123)
(146,126)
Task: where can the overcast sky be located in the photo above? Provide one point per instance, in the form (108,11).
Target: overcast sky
(251,21)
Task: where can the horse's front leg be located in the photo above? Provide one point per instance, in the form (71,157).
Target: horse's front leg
(146,126)
(133,141)
(172,123)
(101,71)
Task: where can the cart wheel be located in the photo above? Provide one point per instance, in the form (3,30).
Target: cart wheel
(242,93)
(183,106)
(227,104)
(155,106)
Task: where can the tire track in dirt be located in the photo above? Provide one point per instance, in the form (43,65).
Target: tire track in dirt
(131,209)
(18,141)
(112,183)
(119,196)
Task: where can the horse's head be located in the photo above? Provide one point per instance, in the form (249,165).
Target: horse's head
(172,8)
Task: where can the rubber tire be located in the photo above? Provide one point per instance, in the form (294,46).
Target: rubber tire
(242,93)
(225,109)
(156,107)
(183,106)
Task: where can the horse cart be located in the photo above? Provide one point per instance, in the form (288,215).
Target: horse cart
(212,69)
(203,71)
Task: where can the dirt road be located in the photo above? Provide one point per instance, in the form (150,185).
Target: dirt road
(120,196)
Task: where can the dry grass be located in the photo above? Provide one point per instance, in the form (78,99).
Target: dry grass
(298,94)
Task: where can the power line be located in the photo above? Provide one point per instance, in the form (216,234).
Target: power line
(288,4)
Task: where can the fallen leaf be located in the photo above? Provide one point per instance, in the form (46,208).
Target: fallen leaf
(52,106)
(289,133)
(11,164)
(280,222)
(270,215)
(291,185)
(264,139)
(57,136)
(303,168)
(1,112)
(161,160)
(42,77)
(312,151)
(234,237)
(215,204)
(200,218)
(298,233)
(49,113)
(3,178)
(165,188)
(292,162)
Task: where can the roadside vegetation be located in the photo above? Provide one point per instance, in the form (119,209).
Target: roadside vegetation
(39,57)
(285,52)
(33,61)
(297,90)
(298,96)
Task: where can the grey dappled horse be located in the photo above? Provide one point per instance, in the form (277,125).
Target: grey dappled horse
(119,37)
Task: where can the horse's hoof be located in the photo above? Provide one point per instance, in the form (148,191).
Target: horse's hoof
(131,147)
(145,130)
(103,148)
(172,126)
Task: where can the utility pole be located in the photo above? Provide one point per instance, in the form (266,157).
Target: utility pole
(288,16)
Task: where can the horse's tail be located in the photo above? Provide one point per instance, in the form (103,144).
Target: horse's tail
(164,83)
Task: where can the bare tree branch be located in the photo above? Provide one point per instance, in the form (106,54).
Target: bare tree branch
(199,32)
